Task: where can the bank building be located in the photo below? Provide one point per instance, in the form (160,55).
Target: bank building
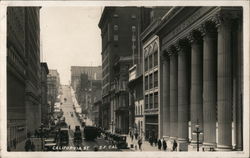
(193,77)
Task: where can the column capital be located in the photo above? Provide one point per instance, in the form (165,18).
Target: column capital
(182,44)
(195,36)
(208,28)
(226,17)
(172,50)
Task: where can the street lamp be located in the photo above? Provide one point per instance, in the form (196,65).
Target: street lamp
(197,131)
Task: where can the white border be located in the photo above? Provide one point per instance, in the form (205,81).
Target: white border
(246,78)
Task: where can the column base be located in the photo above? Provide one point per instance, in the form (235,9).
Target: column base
(182,144)
(239,149)
(224,148)
(166,138)
(209,146)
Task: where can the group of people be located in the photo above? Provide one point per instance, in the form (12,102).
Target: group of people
(135,135)
(29,145)
(162,144)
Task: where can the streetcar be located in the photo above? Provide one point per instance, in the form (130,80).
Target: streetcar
(63,136)
(77,135)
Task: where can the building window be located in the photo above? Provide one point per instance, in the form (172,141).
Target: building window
(115,37)
(150,81)
(146,83)
(150,61)
(135,110)
(116,27)
(146,64)
(156,100)
(156,79)
(151,101)
(146,102)
(155,58)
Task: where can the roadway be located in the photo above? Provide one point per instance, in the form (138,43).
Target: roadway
(72,121)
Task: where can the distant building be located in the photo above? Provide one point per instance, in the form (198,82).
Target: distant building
(53,84)
(93,72)
(87,91)
(23,72)
(44,90)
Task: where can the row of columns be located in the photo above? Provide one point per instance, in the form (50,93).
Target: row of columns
(210,91)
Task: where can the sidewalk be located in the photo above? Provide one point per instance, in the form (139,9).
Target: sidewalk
(20,146)
(145,145)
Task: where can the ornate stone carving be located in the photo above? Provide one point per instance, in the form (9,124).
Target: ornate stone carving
(172,50)
(226,17)
(195,36)
(182,44)
(208,27)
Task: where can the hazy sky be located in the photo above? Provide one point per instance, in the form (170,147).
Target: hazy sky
(70,37)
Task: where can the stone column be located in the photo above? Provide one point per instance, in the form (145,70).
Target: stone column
(225,84)
(239,108)
(173,95)
(209,84)
(183,94)
(196,83)
(166,99)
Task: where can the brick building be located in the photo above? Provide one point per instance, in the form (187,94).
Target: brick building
(120,28)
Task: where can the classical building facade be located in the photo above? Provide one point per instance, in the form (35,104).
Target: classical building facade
(23,72)
(93,72)
(200,68)
(44,90)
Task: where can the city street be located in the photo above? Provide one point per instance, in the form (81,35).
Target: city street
(72,121)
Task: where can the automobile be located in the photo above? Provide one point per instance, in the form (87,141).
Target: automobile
(63,135)
(49,146)
(121,142)
(90,132)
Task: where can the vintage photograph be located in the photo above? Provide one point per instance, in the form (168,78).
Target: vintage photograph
(124,79)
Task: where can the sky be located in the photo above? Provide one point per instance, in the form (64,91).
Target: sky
(70,37)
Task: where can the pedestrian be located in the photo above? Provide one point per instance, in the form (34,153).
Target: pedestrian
(140,143)
(164,145)
(27,145)
(155,141)
(159,144)
(32,146)
(69,126)
(14,143)
(151,140)
(175,145)
(136,135)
